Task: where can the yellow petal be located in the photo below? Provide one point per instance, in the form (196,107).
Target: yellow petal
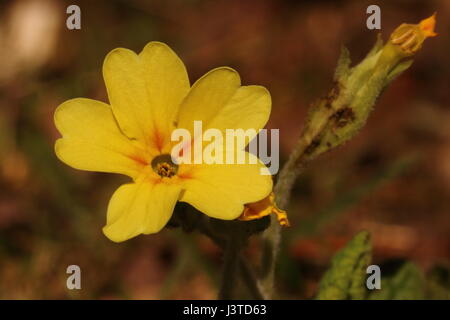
(140,208)
(220,102)
(145,91)
(166,80)
(208,96)
(248,108)
(220,191)
(92,140)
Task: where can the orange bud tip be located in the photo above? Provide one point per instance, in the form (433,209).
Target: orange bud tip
(427,26)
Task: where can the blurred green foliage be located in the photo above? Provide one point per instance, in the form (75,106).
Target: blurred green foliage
(346,278)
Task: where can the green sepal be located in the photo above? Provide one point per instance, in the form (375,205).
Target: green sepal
(343,67)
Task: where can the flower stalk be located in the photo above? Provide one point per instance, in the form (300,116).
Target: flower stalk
(230,266)
(340,115)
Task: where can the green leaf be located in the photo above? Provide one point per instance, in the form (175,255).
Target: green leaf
(406,284)
(346,279)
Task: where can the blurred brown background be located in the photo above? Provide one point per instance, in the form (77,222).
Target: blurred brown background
(393,179)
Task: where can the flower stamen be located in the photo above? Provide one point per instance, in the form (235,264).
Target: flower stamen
(164,166)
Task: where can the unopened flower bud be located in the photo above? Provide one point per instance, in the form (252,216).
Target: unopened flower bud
(410,37)
(338,117)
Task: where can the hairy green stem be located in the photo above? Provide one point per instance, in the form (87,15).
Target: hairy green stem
(272,236)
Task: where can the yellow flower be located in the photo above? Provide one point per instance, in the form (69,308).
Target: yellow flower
(150,96)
